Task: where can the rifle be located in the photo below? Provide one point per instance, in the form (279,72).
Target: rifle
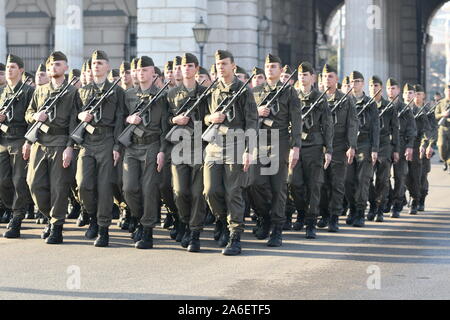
(308,123)
(372,100)
(389,106)
(49,104)
(432,109)
(78,134)
(405,109)
(190,110)
(271,103)
(125,137)
(443,120)
(7,108)
(212,130)
(421,112)
(338,104)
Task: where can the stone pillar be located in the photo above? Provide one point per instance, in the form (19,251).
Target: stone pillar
(218,22)
(165,28)
(69,37)
(366,38)
(3,30)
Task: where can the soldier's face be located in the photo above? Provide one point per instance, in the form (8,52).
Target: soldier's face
(100,68)
(225,68)
(273,71)
(203,77)
(358,85)
(305,78)
(258,80)
(213,76)
(373,88)
(189,70)
(57,69)
(242,77)
(392,91)
(168,74)
(13,72)
(125,75)
(408,96)
(41,78)
(330,79)
(145,75)
(177,73)
(284,77)
(88,78)
(419,98)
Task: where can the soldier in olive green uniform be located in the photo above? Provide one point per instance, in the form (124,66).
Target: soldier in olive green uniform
(187,171)
(407,135)
(344,147)
(144,158)
(224,175)
(389,151)
(49,172)
(269,190)
(442,114)
(100,150)
(307,177)
(14,190)
(360,172)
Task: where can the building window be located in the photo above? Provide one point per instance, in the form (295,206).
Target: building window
(131,44)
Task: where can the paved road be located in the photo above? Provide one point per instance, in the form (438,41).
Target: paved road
(407,259)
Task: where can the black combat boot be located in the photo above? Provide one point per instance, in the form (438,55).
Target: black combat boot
(137,234)
(168,221)
(83,219)
(224,237)
(360,219)
(74,209)
(263,232)
(181,231)
(13,231)
(333,226)
(380,215)
(288,223)
(194,243)
(56,236)
(209,217)
(311,228)
(258,225)
(124,221)
(46,232)
(323,222)
(351,217)
(372,212)
(115,212)
(103,237)
(7,216)
(174,231)
(133,224)
(276,239)
(233,247)
(413,209)
(92,231)
(218,228)
(147,239)
(300,223)
(39,218)
(421,206)
(30,212)
(396,210)
(186,238)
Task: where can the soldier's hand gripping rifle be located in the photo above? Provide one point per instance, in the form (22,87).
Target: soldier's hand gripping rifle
(309,123)
(92,107)
(126,137)
(372,100)
(402,112)
(389,106)
(272,104)
(48,107)
(338,105)
(7,107)
(169,136)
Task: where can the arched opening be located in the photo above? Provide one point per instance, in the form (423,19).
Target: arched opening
(335,38)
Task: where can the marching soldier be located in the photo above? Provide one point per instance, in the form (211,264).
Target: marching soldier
(49,172)
(442,114)
(241,74)
(344,146)
(177,74)
(100,151)
(2,77)
(224,174)
(388,153)
(188,173)
(14,190)
(286,74)
(113,75)
(346,86)
(41,75)
(213,72)
(269,191)
(144,159)
(203,75)
(168,74)
(360,171)
(133,72)
(307,177)
(75,73)
(125,76)
(260,77)
(159,78)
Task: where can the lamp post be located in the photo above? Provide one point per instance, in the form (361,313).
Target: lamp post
(201,33)
(323,52)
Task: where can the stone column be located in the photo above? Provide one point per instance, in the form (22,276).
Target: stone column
(366,38)
(3,30)
(218,22)
(69,37)
(165,28)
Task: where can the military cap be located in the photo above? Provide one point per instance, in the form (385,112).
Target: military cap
(124,66)
(356,75)
(223,54)
(74,73)
(257,71)
(391,82)
(419,88)
(202,70)
(189,58)
(213,68)
(287,69)
(346,80)
(240,70)
(177,61)
(133,63)
(375,80)
(158,71)
(27,75)
(15,59)
(408,87)
(272,59)
(168,66)
(99,55)
(41,68)
(2,67)
(305,67)
(56,56)
(327,68)
(115,73)
(144,62)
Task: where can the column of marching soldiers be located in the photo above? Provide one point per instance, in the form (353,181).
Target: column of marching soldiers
(97,142)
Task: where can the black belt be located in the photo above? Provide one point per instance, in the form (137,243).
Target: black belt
(58,131)
(102,130)
(15,131)
(145,140)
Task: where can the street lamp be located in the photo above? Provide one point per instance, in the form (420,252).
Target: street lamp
(323,51)
(201,34)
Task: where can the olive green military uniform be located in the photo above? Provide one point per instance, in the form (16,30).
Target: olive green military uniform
(187,167)
(345,137)
(269,191)
(95,166)
(360,171)
(49,181)
(140,176)
(443,131)
(426,163)
(224,177)
(14,190)
(307,178)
